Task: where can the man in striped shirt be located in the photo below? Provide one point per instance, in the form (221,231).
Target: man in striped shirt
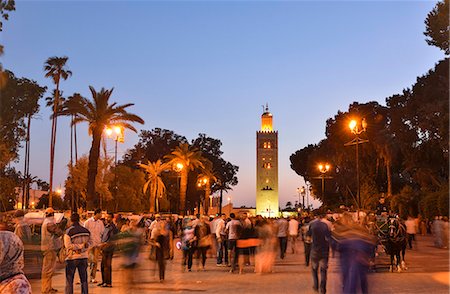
(77,240)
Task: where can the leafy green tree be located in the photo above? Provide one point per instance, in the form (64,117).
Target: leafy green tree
(129,195)
(99,113)
(153,145)
(437,26)
(55,68)
(78,178)
(19,99)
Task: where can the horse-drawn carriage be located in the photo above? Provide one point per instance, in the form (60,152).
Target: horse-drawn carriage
(391,234)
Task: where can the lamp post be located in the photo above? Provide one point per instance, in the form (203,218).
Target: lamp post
(301,191)
(203,183)
(119,137)
(323,169)
(356,130)
(178,168)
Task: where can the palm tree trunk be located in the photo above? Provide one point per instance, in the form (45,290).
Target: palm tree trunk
(94,154)
(389,177)
(183,189)
(52,144)
(207,200)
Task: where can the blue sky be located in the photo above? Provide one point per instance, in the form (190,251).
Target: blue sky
(208,66)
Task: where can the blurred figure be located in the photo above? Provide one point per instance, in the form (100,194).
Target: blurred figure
(445,232)
(411,231)
(12,279)
(159,239)
(293,233)
(233,228)
(96,227)
(437,232)
(356,247)
(222,246)
(188,244)
(22,228)
(77,240)
(283,227)
(320,246)
(246,245)
(107,248)
(203,236)
(266,251)
(306,240)
(50,244)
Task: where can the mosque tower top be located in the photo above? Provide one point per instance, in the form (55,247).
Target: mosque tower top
(266,120)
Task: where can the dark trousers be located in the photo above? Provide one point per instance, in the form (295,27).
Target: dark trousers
(106,267)
(71,266)
(187,257)
(411,238)
(201,252)
(233,254)
(307,247)
(162,262)
(222,252)
(319,262)
(283,246)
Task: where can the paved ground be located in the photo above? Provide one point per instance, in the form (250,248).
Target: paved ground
(428,272)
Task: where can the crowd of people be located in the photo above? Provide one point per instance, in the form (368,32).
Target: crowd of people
(234,241)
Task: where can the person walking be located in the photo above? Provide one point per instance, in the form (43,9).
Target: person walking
(283,227)
(411,231)
(203,236)
(50,244)
(306,240)
(233,229)
(222,239)
(96,227)
(293,233)
(188,244)
(159,240)
(77,240)
(107,248)
(12,278)
(320,246)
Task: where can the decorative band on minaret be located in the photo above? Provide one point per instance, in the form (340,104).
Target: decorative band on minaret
(267,203)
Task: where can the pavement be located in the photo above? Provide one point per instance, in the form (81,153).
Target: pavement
(428,272)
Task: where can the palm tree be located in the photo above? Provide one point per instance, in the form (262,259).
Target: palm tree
(54,68)
(154,182)
(98,113)
(206,178)
(190,158)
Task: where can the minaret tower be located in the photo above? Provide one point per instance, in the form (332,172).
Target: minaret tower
(267,167)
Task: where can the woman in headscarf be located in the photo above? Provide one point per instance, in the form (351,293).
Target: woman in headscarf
(12,279)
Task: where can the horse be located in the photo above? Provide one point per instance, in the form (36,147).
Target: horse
(392,234)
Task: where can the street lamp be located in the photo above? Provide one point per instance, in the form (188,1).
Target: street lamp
(301,191)
(118,132)
(356,130)
(203,183)
(323,168)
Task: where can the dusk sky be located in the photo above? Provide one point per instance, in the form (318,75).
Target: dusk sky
(208,66)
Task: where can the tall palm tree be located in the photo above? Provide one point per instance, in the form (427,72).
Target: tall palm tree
(154,183)
(190,158)
(98,113)
(206,178)
(54,68)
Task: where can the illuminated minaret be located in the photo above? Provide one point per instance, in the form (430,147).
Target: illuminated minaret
(267,167)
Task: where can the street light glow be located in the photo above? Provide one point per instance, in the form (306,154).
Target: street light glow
(108,131)
(118,130)
(178,167)
(352,124)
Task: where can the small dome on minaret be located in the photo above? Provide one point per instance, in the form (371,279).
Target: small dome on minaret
(266,120)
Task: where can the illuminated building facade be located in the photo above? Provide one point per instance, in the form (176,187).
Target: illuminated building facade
(267,167)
